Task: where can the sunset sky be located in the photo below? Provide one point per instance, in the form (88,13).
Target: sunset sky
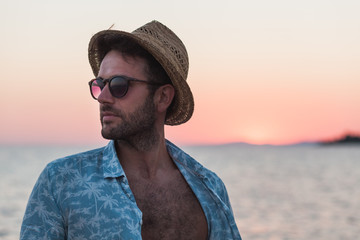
(262,72)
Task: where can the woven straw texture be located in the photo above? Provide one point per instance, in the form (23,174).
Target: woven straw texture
(169,51)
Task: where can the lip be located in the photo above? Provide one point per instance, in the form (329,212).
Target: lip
(107,116)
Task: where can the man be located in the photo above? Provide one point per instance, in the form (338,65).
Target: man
(140,186)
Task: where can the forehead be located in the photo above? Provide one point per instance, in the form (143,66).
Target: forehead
(116,63)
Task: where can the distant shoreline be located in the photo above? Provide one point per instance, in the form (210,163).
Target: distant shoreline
(348,139)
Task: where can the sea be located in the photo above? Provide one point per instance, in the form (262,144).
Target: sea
(306,191)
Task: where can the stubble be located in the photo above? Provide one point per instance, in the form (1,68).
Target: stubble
(136,129)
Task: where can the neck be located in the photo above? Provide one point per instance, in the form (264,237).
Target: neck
(146,141)
(145,157)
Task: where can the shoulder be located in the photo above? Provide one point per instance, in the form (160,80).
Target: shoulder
(91,158)
(63,175)
(81,157)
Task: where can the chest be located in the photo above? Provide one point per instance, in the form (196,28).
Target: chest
(170,209)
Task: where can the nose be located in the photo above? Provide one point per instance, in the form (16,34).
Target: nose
(105,95)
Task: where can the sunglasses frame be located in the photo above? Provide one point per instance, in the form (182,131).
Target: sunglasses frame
(126,79)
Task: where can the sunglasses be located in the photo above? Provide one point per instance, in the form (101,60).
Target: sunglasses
(118,85)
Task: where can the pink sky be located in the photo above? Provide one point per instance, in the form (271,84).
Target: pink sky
(264,73)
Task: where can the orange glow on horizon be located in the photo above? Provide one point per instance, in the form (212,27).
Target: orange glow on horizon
(270,74)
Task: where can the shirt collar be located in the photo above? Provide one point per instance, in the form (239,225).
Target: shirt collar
(112,167)
(184,161)
(111,164)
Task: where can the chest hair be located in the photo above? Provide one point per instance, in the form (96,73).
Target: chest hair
(170,208)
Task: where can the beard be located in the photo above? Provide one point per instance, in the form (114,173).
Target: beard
(137,129)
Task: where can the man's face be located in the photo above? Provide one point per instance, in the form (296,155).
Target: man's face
(133,114)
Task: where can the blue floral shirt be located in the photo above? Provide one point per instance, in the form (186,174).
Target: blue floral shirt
(87,196)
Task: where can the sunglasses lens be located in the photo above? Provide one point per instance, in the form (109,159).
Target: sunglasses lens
(118,87)
(96,87)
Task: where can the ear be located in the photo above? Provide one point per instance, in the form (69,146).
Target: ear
(163,97)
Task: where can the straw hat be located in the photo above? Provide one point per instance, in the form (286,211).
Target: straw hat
(169,51)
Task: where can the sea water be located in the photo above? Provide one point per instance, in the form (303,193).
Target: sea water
(276,192)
